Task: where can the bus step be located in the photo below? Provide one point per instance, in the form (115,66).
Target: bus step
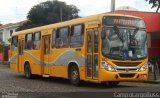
(45,76)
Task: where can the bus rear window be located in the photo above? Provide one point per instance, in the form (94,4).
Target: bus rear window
(123,21)
(14,43)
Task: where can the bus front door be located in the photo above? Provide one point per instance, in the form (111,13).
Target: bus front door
(92,54)
(46,54)
(20,55)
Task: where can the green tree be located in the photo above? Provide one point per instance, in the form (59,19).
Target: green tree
(155,4)
(49,12)
(3,46)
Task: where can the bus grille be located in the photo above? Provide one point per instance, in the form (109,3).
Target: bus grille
(127,70)
(126,75)
(127,64)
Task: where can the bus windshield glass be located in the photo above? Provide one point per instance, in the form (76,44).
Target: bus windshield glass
(124,42)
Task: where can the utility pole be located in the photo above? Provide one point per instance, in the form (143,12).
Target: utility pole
(61,14)
(0,23)
(16,13)
(112,5)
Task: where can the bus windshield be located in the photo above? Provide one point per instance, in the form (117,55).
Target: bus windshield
(124,43)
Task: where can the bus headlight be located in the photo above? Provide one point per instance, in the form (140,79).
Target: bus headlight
(144,67)
(107,66)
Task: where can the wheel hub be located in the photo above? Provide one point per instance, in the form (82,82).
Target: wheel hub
(74,75)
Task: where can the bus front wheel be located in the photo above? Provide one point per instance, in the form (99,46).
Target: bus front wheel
(74,76)
(27,71)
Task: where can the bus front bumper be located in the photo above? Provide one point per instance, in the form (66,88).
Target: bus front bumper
(122,76)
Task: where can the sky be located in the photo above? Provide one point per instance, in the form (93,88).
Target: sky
(12,11)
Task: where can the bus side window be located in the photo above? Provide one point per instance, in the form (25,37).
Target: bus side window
(57,38)
(62,37)
(53,38)
(77,35)
(37,37)
(29,41)
(14,43)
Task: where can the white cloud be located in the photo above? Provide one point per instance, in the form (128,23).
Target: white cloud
(125,3)
(16,10)
(90,7)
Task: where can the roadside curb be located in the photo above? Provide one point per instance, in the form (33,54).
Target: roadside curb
(153,81)
(1,65)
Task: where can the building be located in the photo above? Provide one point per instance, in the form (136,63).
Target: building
(5,34)
(7,29)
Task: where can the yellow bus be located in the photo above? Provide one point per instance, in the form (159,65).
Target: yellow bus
(104,48)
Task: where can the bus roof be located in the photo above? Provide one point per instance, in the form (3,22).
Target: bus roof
(70,22)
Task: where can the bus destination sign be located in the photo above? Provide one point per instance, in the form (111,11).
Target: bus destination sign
(123,21)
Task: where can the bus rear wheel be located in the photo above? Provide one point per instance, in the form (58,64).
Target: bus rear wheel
(74,76)
(27,71)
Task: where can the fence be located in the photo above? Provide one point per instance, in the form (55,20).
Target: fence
(4,57)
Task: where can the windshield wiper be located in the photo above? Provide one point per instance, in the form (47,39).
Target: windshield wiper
(118,34)
(132,36)
(113,56)
(135,32)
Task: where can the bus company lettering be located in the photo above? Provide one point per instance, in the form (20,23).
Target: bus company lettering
(124,21)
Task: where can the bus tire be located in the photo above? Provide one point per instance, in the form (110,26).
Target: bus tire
(113,83)
(27,71)
(74,76)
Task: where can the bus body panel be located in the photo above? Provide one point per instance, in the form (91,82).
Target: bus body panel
(58,59)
